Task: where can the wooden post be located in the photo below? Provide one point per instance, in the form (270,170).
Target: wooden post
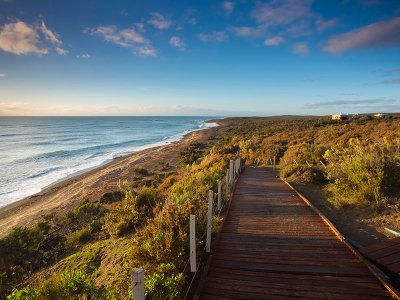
(209,220)
(193,267)
(274,163)
(219,195)
(240,164)
(137,284)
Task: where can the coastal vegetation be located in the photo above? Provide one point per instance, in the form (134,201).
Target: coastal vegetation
(89,252)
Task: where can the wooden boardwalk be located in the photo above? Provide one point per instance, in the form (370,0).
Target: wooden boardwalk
(275,246)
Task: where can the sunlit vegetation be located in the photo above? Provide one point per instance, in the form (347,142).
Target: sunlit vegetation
(89,252)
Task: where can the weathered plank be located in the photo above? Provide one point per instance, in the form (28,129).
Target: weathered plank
(273,245)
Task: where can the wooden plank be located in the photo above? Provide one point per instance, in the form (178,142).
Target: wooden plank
(273,245)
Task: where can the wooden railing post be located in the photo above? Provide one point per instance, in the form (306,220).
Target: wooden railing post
(209,220)
(274,163)
(193,267)
(137,284)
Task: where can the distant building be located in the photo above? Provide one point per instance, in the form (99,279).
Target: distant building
(341,117)
(382,116)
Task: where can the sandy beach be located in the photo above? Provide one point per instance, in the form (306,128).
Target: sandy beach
(92,184)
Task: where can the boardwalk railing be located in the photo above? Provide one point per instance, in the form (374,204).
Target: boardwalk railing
(232,174)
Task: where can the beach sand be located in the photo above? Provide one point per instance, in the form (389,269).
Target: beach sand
(62,196)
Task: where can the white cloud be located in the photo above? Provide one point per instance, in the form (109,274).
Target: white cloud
(84,56)
(178,43)
(159,21)
(22,39)
(380,34)
(216,36)
(228,7)
(146,51)
(127,38)
(247,31)
(2,75)
(301,49)
(274,41)
(61,51)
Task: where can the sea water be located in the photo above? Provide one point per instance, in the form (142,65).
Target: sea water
(38,151)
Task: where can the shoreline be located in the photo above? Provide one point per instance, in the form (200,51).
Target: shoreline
(108,161)
(94,182)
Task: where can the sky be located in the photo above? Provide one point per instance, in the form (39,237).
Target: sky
(211,58)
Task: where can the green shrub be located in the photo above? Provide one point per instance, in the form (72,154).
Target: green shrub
(25,293)
(111,197)
(364,171)
(85,212)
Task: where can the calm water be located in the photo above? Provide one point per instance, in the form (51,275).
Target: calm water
(37,151)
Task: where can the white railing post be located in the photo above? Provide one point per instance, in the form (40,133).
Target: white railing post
(231,172)
(227,182)
(209,220)
(322,164)
(219,195)
(193,267)
(137,284)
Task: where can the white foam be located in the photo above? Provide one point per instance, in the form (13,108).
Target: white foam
(36,184)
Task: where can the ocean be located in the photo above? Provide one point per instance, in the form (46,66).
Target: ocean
(38,151)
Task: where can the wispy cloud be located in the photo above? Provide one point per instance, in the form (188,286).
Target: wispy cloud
(352,103)
(322,25)
(278,12)
(216,36)
(159,21)
(393,71)
(301,49)
(228,7)
(2,75)
(146,51)
(128,38)
(22,39)
(178,43)
(27,109)
(392,81)
(246,31)
(274,41)
(84,56)
(380,34)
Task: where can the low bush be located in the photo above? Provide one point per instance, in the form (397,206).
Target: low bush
(111,197)
(364,171)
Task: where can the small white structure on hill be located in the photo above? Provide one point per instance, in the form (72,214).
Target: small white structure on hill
(382,116)
(341,116)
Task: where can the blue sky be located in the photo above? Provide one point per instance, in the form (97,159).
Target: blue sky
(165,57)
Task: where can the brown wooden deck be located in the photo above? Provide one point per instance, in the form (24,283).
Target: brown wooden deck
(275,246)
(386,254)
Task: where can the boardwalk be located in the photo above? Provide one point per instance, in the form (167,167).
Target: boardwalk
(274,246)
